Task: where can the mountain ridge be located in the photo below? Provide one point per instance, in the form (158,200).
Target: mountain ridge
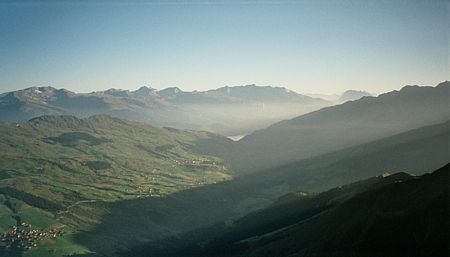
(415,152)
(351,95)
(212,110)
(336,127)
(358,219)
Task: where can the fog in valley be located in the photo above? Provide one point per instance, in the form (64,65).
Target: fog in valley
(224,129)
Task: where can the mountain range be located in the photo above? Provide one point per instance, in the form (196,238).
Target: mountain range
(338,127)
(118,187)
(349,95)
(226,110)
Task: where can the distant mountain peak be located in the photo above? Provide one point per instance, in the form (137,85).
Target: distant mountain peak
(352,91)
(41,88)
(144,91)
(146,88)
(38,89)
(117,92)
(252,88)
(272,94)
(170,91)
(351,95)
(40,95)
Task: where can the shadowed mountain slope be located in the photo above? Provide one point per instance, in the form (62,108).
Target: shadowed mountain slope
(397,215)
(157,227)
(341,126)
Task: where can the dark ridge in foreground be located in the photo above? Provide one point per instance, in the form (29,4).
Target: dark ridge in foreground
(397,215)
(388,215)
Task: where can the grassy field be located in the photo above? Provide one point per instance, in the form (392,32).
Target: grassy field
(114,187)
(60,172)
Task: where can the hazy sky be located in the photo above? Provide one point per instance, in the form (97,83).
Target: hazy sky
(307,46)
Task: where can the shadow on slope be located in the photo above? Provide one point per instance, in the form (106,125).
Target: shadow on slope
(157,222)
(338,127)
(398,215)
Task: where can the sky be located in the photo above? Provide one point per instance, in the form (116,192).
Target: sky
(306,46)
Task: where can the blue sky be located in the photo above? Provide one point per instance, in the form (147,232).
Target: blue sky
(307,46)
